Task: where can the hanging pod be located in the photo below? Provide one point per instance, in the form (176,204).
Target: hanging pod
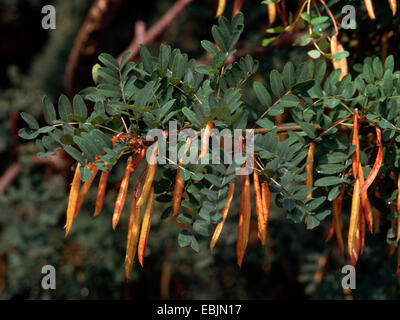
(393,6)
(337,47)
(133,236)
(85,188)
(259,208)
(73,199)
(244,220)
(310,167)
(370,9)
(237,7)
(101,191)
(225,212)
(221,8)
(146,224)
(149,175)
(271,12)
(121,197)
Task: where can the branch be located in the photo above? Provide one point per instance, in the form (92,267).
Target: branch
(15,169)
(9,176)
(87,42)
(284,40)
(157,29)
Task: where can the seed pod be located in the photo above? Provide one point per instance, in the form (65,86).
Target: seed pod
(354,216)
(244,221)
(266,201)
(271,12)
(366,205)
(221,8)
(121,197)
(337,47)
(393,6)
(85,188)
(179,184)
(150,173)
(177,196)
(205,139)
(259,208)
(237,7)
(377,165)
(310,167)
(337,211)
(101,191)
(398,207)
(356,143)
(144,232)
(73,199)
(370,9)
(357,243)
(133,235)
(225,212)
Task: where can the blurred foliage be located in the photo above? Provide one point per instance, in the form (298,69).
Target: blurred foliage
(89,262)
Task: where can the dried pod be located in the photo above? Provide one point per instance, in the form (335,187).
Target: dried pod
(101,191)
(310,167)
(146,224)
(337,47)
(121,197)
(150,173)
(221,8)
(244,220)
(85,187)
(132,239)
(225,212)
(73,199)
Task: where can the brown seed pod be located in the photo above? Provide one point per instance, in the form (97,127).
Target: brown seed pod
(221,8)
(133,236)
(310,167)
(237,7)
(146,224)
(73,199)
(259,208)
(337,47)
(393,6)
(271,12)
(225,211)
(354,216)
(150,173)
(85,188)
(121,197)
(370,9)
(244,220)
(205,139)
(101,191)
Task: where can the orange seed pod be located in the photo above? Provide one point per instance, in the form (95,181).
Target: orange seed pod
(146,224)
(225,212)
(73,198)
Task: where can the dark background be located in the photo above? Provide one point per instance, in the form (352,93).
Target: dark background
(296,263)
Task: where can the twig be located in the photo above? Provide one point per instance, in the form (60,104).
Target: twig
(332,17)
(283,40)
(15,169)
(157,29)
(97,21)
(9,176)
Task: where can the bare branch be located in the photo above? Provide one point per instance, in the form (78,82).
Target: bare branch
(157,29)
(97,21)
